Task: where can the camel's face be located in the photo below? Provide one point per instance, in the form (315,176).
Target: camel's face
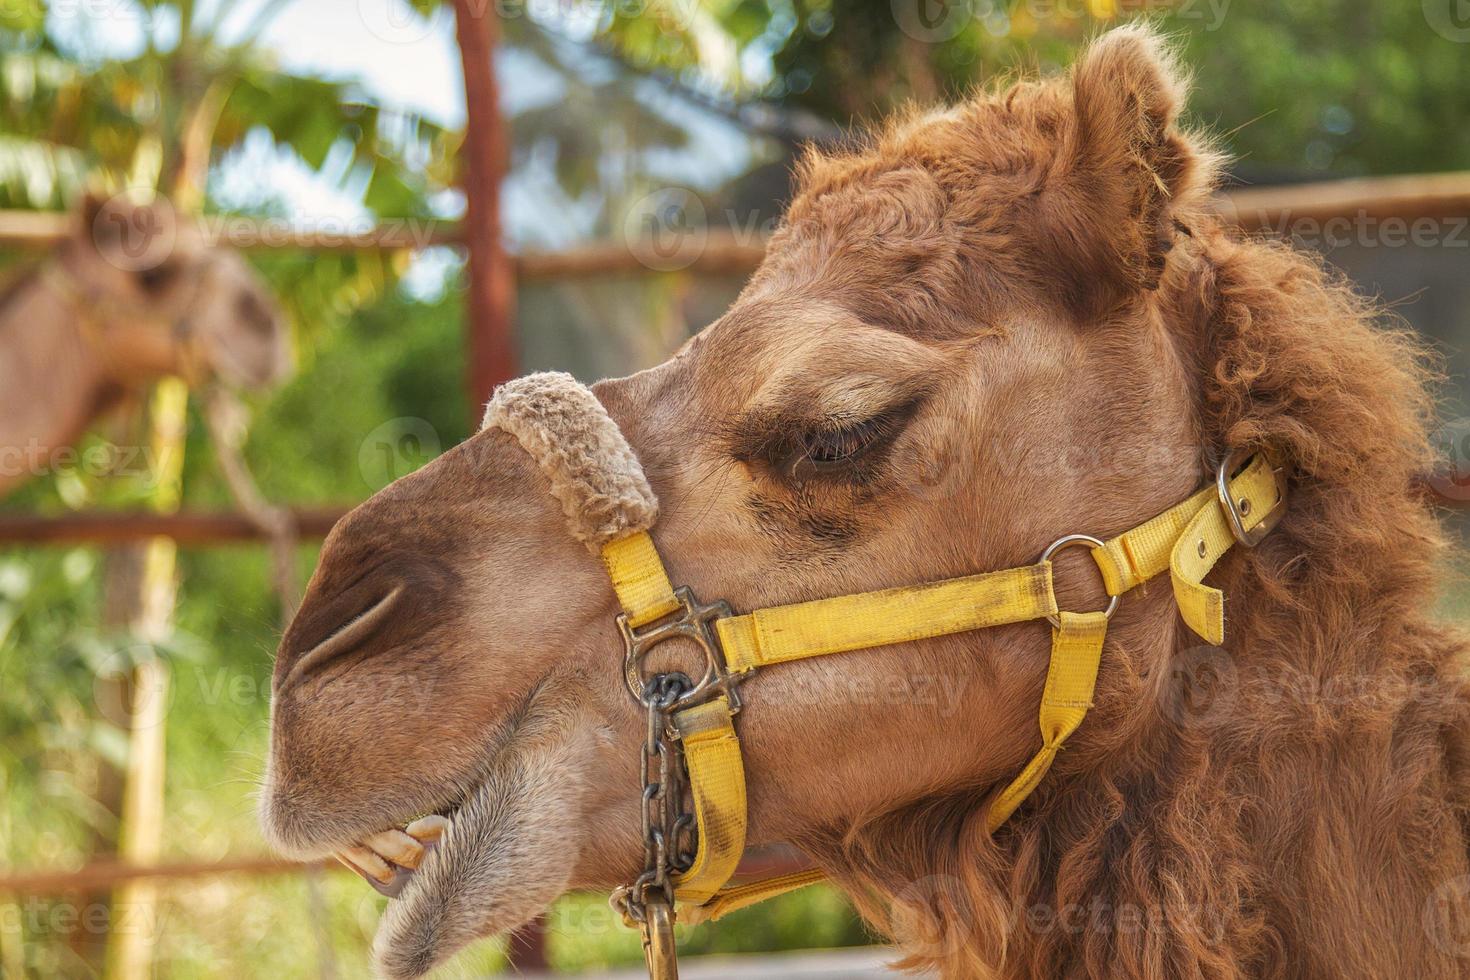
(242,333)
(141,261)
(931,375)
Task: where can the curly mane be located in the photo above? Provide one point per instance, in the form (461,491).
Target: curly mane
(1254,810)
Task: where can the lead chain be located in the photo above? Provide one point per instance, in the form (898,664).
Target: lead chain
(668,827)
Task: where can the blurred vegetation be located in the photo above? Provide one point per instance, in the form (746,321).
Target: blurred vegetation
(1316,86)
(1298,89)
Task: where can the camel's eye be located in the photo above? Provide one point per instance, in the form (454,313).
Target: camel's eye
(821,448)
(797,445)
(840,446)
(156,279)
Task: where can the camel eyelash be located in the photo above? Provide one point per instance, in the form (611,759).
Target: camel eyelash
(836,446)
(826,450)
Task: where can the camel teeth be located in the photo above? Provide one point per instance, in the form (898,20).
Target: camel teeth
(396,847)
(427,830)
(367,864)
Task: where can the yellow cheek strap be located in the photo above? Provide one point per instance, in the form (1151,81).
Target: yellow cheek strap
(1076,654)
(1190,537)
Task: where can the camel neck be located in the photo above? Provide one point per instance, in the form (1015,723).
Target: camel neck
(51,376)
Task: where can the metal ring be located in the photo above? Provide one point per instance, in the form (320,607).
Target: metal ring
(1072,540)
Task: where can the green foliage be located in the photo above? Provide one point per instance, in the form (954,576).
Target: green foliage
(1327,85)
(594,939)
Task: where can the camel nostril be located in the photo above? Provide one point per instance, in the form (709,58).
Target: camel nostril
(345,638)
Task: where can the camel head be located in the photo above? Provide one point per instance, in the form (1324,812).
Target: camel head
(167,301)
(954,353)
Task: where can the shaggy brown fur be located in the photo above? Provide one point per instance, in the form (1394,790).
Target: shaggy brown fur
(1325,797)
(986,328)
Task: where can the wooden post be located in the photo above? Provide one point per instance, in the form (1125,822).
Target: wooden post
(490,303)
(143,603)
(490,312)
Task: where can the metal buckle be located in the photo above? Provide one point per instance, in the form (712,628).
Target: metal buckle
(1072,540)
(692,622)
(1237,511)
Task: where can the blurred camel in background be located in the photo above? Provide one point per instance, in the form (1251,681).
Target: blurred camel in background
(131,296)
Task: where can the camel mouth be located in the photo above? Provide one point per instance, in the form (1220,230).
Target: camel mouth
(369,838)
(389,857)
(478,856)
(386,860)
(503,855)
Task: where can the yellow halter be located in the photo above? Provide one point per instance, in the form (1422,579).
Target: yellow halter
(1188,539)
(691,858)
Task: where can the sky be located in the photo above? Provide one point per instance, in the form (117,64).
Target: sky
(402,60)
(407,62)
(400,57)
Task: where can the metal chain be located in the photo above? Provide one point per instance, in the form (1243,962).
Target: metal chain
(669,837)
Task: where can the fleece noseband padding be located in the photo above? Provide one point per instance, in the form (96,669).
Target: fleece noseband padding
(593,471)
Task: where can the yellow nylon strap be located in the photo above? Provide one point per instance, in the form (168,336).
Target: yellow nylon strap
(1187,539)
(1137,555)
(1173,541)
(1206,538)
(736,897)
(717,783)
(872,619)
(639,579)
(1076,654)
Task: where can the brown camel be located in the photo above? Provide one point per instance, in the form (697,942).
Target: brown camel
(986,328)
(131,296)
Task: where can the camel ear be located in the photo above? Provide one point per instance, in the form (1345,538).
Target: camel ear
(106,223)
(1124,168)
(90,215)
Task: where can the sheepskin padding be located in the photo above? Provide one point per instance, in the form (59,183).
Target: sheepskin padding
(594,473)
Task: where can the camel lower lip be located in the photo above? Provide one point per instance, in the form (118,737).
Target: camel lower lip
(505,857)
